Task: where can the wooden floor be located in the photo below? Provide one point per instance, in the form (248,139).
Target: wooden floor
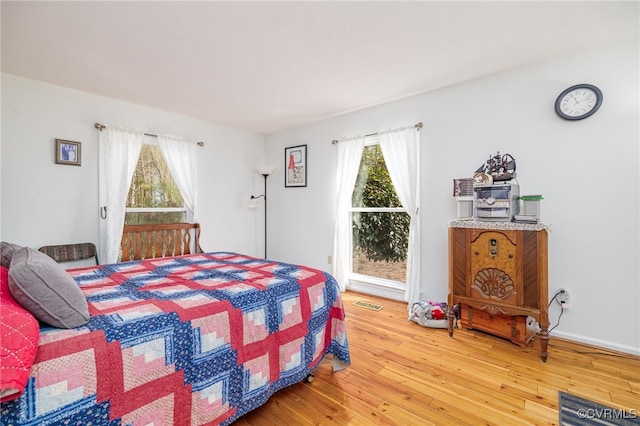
(404,374)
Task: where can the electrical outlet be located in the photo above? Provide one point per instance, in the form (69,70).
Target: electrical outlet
(329,260)
(563,298)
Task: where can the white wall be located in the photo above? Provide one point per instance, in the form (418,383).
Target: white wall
(46,203)
(587,172)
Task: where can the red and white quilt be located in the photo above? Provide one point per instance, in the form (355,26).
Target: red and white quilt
(196,339)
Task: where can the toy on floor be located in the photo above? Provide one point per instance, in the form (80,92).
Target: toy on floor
(430,314)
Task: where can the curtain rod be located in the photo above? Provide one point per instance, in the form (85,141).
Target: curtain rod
(418,126)
(101,127)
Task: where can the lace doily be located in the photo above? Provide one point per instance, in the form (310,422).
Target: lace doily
(500,225)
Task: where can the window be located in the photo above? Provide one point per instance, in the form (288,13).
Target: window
(153,195)
(380,225)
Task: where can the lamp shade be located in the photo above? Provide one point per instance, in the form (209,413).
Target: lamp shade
(265,170)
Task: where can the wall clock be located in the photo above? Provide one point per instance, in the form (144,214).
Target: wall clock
(578,102)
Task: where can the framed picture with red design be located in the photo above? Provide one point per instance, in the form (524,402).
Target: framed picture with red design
(295,166)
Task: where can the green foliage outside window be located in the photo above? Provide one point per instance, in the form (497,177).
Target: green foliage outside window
(153,186)
(381,236)
(144,218)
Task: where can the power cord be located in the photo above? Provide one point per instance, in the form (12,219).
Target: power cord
(617,355)
(561,309)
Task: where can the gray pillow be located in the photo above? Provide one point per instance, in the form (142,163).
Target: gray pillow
(6,253)
(46,290)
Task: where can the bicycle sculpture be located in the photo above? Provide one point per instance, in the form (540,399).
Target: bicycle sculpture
(499,167)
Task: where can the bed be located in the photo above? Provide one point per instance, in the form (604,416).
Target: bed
(201,338)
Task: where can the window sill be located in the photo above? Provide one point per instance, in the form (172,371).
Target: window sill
(376,286)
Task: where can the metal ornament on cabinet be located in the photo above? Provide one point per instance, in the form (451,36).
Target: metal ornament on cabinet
(499,167)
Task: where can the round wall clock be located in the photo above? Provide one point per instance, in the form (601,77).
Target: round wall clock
(578,102)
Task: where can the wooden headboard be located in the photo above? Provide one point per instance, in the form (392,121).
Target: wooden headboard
(141,242)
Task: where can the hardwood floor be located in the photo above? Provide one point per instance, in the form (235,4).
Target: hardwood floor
(404,374)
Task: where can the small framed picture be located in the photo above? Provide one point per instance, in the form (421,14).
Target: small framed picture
(295,164)
(68,152)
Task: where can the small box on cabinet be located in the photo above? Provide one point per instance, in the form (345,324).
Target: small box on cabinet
(465,207)
(531,205)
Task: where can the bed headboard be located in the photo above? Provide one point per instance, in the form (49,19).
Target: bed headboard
(141,242)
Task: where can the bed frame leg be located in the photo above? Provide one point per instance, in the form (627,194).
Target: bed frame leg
(309,378)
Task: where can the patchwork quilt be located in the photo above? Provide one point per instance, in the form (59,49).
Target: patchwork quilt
(189,340)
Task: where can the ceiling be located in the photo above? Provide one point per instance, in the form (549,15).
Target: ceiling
(266,66)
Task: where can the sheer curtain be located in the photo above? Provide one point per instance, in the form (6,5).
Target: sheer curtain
(181,157)
(349,156)
(119,151)
(401,151)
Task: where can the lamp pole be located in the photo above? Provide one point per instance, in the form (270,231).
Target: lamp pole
(265,171)
(265,213)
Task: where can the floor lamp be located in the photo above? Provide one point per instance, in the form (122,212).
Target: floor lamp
(265,172)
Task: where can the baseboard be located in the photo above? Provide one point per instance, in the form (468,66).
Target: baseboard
(597,343)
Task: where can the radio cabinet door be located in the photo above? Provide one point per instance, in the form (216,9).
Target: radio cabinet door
(499,278)
(494,267)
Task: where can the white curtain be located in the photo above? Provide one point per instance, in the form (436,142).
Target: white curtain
(401,151)
(349,156)
(181,157)
(119,151)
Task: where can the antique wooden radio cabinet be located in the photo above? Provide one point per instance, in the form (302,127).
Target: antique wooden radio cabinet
(498,276)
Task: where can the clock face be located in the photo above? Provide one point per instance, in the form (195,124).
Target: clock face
(578,102)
